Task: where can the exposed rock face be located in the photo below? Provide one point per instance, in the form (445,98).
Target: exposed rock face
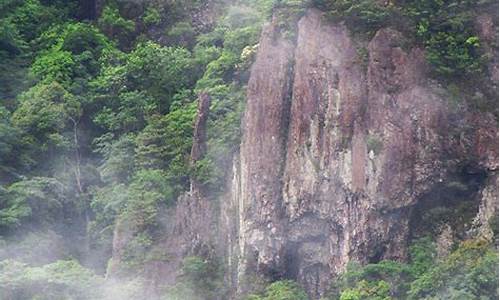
(262,158)
(337,153)
(333,158)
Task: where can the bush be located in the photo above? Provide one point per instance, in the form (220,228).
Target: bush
(359,15)
(12,209)
(379,290)
(115,26)
(151,16)
(44,116)
(71,51)
(201,279)
(471,271)
(281,290)
(422,256)
(58,280)
(182,34)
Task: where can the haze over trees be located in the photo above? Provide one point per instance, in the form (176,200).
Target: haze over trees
(98,103)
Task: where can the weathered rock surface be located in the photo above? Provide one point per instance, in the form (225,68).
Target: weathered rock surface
(334,158)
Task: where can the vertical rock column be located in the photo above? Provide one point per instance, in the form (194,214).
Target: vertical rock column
(265,126)
(325,153)
(199,148)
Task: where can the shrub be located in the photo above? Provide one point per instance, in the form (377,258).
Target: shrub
(115,26)
(374,143)
(359,15)
(281,290)
(471,271)
(58,280)
(364,290)
(151,16)
(182,34)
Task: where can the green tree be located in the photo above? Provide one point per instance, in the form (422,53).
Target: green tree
(282,290)
(47,116)
(118,157)
(71,51)
(379,290)
(58,280)
(115,26)
(141,85)
(470,272)
(12,209)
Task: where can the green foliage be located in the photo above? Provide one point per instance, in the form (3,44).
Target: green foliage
(373,143)
(454,55)
(134,209)
(143,84)
(443,27)
(30,18)
(371,281)
(166,139)
(134,108)
(364,290)
(12,209)
(359,15)
(218,71)
(201,279)
(160,70)
(11,41)
(223,134)
(45,115)
(179,131)
(166,143)
(237,39)
(107,203)
(422,256)
(446,29)
(282,290)
(8,144)
(115,26)
(45,196)
(70,51)
(470,272)
(118,157)
(58,280)
(151,16)
(182,33)
(55,66)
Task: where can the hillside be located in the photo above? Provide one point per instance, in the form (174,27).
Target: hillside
(249,149)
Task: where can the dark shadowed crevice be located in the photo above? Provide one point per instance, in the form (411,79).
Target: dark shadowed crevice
(451,201)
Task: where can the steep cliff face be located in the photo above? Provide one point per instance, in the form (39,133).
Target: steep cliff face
(336,154)
(340,154)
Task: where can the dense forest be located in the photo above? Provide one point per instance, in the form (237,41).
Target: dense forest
(98,106)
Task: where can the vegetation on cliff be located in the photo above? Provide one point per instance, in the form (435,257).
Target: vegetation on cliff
(96,128)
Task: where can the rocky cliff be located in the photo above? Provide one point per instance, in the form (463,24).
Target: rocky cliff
(345,143)
(338,153)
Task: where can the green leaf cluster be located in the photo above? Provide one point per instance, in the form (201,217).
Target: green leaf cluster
(469,272)
(281,290)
